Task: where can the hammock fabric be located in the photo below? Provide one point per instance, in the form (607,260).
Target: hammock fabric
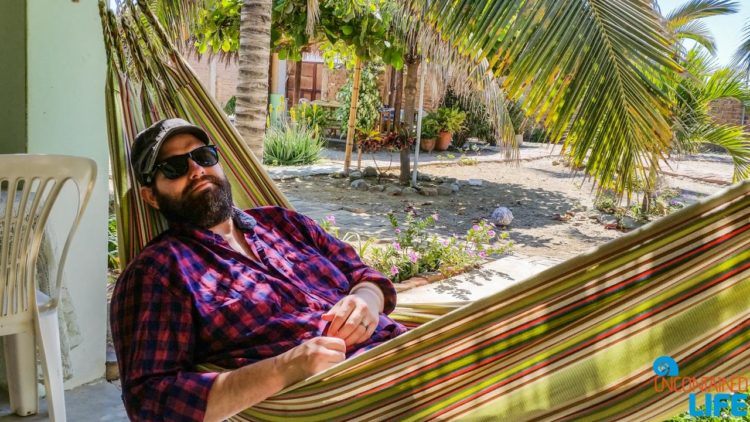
(575,342)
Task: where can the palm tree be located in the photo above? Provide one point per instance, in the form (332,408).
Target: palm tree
(252,83)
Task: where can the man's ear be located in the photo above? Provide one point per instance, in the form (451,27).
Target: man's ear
(147,193)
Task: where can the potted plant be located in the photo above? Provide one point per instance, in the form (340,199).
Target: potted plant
(450,120)
(430,128)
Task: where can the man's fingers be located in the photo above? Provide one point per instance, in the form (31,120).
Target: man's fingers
(340,317)
(332,343)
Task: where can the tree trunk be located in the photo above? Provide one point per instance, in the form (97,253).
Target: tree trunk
(252,82)
(410,97)
(397,101)
(650,188)
(352,115)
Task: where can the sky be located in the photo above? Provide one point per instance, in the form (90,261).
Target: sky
(727,30)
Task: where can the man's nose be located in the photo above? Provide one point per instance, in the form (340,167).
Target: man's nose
(194,169)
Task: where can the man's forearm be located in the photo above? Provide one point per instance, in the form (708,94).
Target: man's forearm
(235,391)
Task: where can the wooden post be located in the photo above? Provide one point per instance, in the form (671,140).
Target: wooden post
(352,115)
(297,83)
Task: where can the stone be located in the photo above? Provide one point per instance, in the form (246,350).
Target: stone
(475,182)
(377,188)
(428,191)
(355,174)
(607,219)
(444,190)
(501,216)
(409,191)
(450,179)
(355,210)
(360,184)
(422,176)
(338,175)
(630,223)
(579,208)
(370,171)
(455,187)
(393,190)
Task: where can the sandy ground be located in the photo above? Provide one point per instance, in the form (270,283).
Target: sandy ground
(538,192)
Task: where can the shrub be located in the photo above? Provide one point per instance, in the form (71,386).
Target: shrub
(415,251)
(368,113)
(312,115)
(113,253)
(290,145)
(477,124)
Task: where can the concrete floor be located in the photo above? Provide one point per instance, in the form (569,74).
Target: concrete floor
(99,401)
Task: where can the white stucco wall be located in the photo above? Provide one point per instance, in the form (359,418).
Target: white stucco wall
(66,115)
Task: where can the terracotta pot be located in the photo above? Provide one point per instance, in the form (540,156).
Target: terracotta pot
(443,141)
(427,144)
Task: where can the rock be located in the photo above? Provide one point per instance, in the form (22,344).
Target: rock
(393,190)
(630,223)
(579,208)
(607,219)
(502,216)
(338,175)
(354,175)
(370,172)
(422,176)
(444,190)
(355,210)
(429,191)
(475,182)
(450,179)
(408,191)
(455,187)
(377,188)
(360,184)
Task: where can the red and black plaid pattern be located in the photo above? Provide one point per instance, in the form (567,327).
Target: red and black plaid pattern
(189,298)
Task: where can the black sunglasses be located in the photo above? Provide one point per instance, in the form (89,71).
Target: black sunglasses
(176,166)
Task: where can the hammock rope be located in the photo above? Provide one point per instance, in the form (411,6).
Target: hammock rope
(574,342)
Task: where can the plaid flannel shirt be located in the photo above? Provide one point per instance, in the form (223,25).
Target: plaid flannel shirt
(190,298)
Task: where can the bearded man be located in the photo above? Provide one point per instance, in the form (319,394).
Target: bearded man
(265,292)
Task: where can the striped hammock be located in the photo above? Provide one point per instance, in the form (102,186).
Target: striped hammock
(575,342)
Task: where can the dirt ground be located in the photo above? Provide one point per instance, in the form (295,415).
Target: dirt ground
(539,193)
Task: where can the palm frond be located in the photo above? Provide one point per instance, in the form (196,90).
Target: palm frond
(699,9)
(582,67)
(732,139)
(742,55)
(698,32)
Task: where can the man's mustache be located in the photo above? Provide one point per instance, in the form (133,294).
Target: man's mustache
(195,182)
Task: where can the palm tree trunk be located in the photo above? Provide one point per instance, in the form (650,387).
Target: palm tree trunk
(252,82)
(648,191)
(352,115)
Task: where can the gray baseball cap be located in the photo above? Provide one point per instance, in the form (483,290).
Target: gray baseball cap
(148,143)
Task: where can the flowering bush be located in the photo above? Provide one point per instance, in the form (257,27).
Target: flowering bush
(415,251)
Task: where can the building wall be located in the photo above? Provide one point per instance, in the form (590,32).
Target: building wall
(66,115)
(225,84)
(728,111)
(13,76)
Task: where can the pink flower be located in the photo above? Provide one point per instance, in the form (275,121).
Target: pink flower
(331,219)
(396,246)
(491,233)
(483,254)
(435,217)
(398,231)
(445,242)
(394,269)
(475,227)
(413,257)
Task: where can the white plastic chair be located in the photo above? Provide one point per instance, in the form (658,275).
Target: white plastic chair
(29,187)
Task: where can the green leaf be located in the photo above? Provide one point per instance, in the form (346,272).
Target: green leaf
(347,30)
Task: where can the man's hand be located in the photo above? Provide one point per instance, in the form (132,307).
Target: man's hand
(309,358)
(352,319)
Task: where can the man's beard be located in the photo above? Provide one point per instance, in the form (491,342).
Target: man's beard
(204,209)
